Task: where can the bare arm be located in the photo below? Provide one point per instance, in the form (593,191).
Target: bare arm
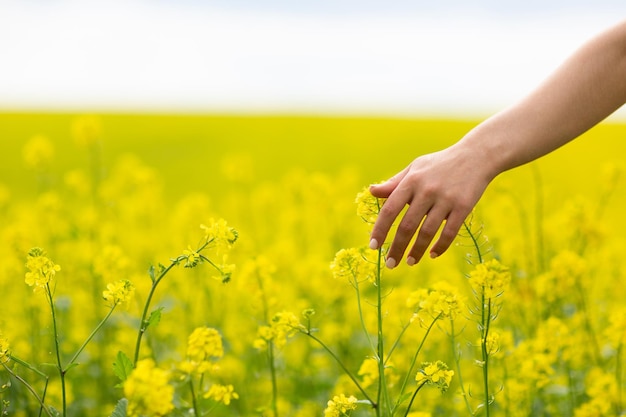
(443,187)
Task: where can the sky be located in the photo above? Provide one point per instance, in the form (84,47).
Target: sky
(394,57)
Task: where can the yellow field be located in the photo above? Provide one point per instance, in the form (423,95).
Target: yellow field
(112,197)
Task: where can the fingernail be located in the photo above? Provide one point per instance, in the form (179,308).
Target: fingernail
(410,261)
(433,255)
(373,244)
(391,263)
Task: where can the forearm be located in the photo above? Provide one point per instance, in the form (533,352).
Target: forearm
(587,88)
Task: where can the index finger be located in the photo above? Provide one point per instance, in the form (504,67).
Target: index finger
(390,210)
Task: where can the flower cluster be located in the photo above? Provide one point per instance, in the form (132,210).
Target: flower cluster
(219,233)
(352,265)
(119,292)
(41,270)
(148,391)
(442,301)
(222,393)
(367,206)
(283,325)
(203,343)
(340,406)
(435,373)
(490,278)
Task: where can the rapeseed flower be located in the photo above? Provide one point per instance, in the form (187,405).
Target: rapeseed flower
(41,270)
(367,206)
(490,278)
(38,152)
(616,330)
(148,391)
(352,264)
(442,301)
(283,325)
(221,393)
(435,373)
(87,130)
(219,233)
(340,406)
(119,292)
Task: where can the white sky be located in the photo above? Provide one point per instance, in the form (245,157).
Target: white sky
(395,57)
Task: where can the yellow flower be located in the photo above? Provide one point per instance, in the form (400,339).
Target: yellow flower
(283,325)
(369,372)
(340,406)
(436,373)
(119,292)
(367,206)
(490,278)
(219,233)
(442,301)
(41,270)
(38,152)
(5,352)
(148,391)
(221,393)
(87,130)
(203,343)
(352,264)
(192,257)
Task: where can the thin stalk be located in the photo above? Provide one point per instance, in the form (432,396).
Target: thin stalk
(413,398)
(58,350)
(194,402)
(458,370)
(361,318)
(485,354)
(93,333)
(413,362)
(29,388)
(143,323)
(397,341)
(41,374)
(270,357)
(618,377)
(383,397)
(343,367)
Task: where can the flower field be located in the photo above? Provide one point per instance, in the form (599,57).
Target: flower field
(217,265)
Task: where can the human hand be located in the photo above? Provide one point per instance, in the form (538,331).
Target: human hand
(439,188)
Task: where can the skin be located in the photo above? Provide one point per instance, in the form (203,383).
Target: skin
(442,188)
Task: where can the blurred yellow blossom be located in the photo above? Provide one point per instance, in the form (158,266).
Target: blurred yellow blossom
(283,325)
(442,301)
(221,393)
(148,391)
(38,152)
(87,130)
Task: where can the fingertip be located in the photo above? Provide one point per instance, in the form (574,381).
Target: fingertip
(433,254)
(373,244)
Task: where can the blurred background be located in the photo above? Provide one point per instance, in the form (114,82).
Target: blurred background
(399,58)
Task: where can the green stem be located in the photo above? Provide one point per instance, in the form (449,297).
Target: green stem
(408,409)
(396,343)
(618,378)
(270,356)
(143,325)
(29,388)
(362,319)
(93,333)
(340,363)
(485,355)
(383,397)
(413,362)
(193,397)
(57,349)
(457,361)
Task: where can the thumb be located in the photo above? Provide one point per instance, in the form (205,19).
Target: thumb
(384,189)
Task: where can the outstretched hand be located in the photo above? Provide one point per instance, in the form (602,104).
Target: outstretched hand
(440,188)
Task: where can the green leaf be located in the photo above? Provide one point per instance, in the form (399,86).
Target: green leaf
(120,408)
(155,317)
(122,366)
(152,273)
